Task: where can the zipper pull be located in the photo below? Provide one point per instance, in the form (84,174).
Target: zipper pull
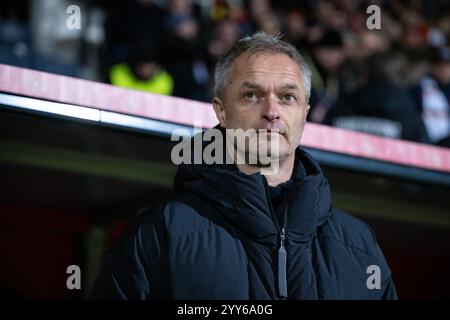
(282,259)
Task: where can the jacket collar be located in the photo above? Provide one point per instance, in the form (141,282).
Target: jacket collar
(243,200)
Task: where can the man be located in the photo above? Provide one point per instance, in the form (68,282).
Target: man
(229,232)
(432,97)
(142,72)
(329,87)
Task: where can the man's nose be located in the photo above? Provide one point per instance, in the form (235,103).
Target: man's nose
(271,109)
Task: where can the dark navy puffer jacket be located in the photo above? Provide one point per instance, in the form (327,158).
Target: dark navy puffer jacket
(218,238)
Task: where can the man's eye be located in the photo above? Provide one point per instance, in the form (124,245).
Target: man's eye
(250,95)
(289,98)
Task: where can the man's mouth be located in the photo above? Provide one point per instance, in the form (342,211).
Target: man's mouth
(272,131)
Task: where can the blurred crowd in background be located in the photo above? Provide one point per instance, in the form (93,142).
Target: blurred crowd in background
(393,82)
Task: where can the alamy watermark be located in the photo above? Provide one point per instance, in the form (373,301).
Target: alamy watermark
(374,280)
(374,20)
(255,147)
(73,21)
(74,279)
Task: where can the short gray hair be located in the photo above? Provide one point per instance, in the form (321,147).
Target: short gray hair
(260,42)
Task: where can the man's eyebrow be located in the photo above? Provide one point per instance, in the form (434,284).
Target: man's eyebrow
(250,85)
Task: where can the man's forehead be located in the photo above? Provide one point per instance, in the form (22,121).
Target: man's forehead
(262,68)
(253,60)
(265,62)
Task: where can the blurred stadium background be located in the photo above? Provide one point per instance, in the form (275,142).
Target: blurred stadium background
(80,158)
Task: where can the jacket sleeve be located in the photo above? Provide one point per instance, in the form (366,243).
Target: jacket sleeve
(389,291)
(125,272)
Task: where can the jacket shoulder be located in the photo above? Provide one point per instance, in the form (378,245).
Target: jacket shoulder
(184,213)
(350,246)
(125,270)
(352,233)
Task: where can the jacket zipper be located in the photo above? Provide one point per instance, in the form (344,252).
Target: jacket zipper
(282,266)
(282,253)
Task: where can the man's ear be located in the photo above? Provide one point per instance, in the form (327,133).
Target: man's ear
(219,109)
(307,110)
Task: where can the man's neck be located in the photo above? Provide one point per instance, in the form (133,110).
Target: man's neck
(283,174)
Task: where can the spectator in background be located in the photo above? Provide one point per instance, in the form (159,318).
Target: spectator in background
(142,72)
(128,23)
(328,87)
(296,29)
(331,15)
(383,106)
(432,96)
(263,17)
(371,42)
(225,35)
(33,34)
(58,48)
(15,35)
(182,50)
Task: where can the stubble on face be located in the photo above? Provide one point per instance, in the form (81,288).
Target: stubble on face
(265,91)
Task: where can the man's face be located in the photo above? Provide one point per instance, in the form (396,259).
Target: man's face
(265,91)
